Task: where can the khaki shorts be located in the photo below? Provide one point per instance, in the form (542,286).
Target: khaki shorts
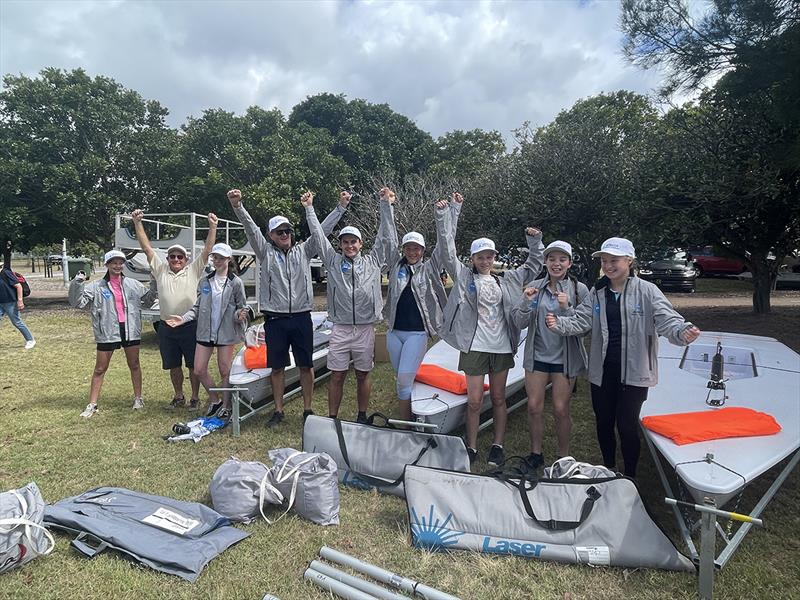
(351,342)
(481,363)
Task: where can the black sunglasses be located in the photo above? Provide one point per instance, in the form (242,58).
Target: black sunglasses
(179,256)
(284,231)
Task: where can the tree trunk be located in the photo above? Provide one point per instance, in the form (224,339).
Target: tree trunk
(764,275)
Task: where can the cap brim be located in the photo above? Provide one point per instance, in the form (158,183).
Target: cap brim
(612,253)
(549,250)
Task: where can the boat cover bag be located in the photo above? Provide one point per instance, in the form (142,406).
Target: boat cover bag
(22,536)
(239,489)
(172,536)
(308,480)
(373,457)
(594,521)
(728,422)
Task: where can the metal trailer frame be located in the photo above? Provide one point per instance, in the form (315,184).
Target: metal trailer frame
(707,559)
(187,235)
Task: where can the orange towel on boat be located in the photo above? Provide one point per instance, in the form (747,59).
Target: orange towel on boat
(734,421)
(255,357)
(444,379)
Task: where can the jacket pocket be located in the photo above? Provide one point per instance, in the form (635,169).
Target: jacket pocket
(455,314)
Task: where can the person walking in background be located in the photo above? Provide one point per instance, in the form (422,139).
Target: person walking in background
(477,322)
(286,297)
(355,301)
(625,315)
(176,281)
(11,303)
(221,313)
(550,358)
(115,302)
(414,307)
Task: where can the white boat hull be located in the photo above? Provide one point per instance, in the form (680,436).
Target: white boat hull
(448,410)
(764,376)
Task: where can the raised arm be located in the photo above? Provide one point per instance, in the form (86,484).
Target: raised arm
(309,246)
(318,237)
(455,211)
(81,295)
(137,216)
(251,230)
(211,238)
(446,219)
(446,241)
(527,272)
(386,244)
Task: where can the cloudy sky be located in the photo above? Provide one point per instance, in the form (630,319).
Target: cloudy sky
(446,64)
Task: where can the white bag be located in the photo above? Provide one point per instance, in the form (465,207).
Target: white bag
(22,536)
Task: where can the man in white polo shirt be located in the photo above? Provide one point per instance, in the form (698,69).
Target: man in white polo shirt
(177,281)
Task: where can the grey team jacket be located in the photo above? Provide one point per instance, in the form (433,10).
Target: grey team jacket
(426,283)
(285,286)
(354,286)
(231,329)
(100,300)
(525,314)
(460,320)
(646,313)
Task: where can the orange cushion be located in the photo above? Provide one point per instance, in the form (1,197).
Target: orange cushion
(735,421)
(441,378)
(255,357)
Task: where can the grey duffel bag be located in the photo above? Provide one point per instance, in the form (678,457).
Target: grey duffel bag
(576,520)
(239,489)
(22,535)
(373,457)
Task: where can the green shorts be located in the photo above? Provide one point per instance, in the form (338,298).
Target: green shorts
(481,363)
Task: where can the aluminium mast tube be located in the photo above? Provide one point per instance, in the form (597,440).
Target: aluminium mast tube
(335,587)
(397,581)
(355,582)
(715,511)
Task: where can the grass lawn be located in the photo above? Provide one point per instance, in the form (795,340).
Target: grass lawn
(43,440)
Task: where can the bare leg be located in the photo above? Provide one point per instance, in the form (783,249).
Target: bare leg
(195,383)
(100,368)
(474,403)
(278,380)
(202,355)
(535,384)
(132,356)
(176,377)
(497,390)
(335,391)
(562,394)
(363,389)
(224,360)
(307,386)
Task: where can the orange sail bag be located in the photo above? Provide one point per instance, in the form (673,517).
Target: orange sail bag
(255,357)
(439,377)
(734,421)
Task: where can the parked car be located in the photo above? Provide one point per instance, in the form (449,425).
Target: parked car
(674,270)
(318,272)
(708,263)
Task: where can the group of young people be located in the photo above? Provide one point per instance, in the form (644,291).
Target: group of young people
(482,316)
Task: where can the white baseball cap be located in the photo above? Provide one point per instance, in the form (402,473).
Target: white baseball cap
(222,250)
(112,254)
(178,247)
(350,230)
(277,221)
(559,245)
(482,244)
(616,247)
(412,237)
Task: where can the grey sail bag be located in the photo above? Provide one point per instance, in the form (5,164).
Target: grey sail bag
(598,521)
(239,489)
(22,536)
(308,480)
(373,457)
(172,536)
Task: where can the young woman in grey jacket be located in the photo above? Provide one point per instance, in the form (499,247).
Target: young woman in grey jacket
(116,306)
(625,315)
(550,358)
(477,322)
(221,313)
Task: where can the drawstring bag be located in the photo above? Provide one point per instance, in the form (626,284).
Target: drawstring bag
(567,467)
(240,488)
(309,481)
(22,536)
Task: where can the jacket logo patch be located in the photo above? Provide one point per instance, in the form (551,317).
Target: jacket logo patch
(206,289)
(597,308)
(106,294)
(471,288)
(346,267)
(637,310)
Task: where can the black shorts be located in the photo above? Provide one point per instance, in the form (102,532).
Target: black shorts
(544,367)
(210,344)
(281,332)
(111,346)
(176,343)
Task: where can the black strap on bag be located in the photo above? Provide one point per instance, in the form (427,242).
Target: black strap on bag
(376,481)
(592,495)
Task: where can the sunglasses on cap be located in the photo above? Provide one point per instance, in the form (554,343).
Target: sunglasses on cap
(286,231)
(176,256)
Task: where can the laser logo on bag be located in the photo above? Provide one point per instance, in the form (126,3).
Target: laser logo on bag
(350,479)
(431,532)
(515,547)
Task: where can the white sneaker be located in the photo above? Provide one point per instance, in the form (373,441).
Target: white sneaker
(89,410)
(30,344)
(138,403)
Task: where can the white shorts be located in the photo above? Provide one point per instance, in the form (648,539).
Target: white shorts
(351,342)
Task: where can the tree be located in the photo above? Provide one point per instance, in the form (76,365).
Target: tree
(464,154)
(76,151)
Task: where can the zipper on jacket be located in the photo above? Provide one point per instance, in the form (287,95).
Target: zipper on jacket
(416,298)
(222,310)
(289,274)
(353,289)
(624,324)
